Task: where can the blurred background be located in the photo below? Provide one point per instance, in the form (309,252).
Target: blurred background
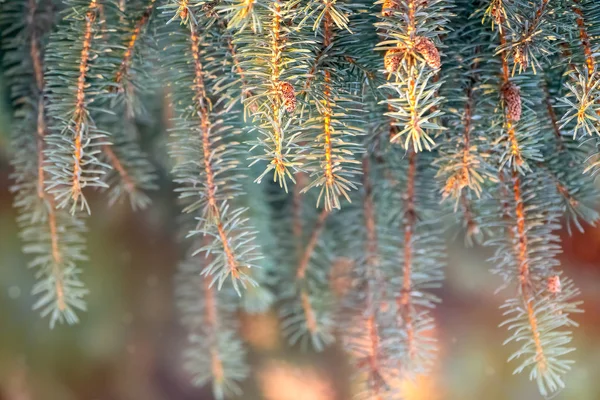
(128,345)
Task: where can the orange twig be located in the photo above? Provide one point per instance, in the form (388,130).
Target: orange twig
(117,165)
(514,143)
(584,37)
(79,114)
(312,242)
(126,62)
(327,39)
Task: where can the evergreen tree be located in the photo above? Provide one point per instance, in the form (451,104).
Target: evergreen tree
(309,135)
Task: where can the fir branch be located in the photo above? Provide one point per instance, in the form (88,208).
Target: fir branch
(533,318)
(310,246)
(515,156)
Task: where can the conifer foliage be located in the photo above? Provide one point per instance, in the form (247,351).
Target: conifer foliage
(316,147)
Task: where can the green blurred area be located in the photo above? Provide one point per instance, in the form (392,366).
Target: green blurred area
(128,344)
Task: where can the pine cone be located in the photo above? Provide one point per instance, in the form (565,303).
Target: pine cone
(392,59)
(512,101)
(428,51)
(286,90)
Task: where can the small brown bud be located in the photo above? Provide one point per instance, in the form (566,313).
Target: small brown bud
(392,59)
(286,90)
(428,51)
(520,58)
(511,95)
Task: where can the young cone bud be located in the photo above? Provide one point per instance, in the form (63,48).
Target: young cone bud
(286,90)
(512,101)
(392,60)
(426,48)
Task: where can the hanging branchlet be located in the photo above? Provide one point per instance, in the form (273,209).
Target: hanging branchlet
(203,132)
(74,143)
(214,354)
(412,59)
(371,248)
(333,121)
(526,243)
(274,67)
(576,191)
(540,320)
(51,236)
(519,142)
(132,37)
(414,264)
(304,256)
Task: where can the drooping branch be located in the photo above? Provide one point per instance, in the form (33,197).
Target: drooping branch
(202,104)
(524,272)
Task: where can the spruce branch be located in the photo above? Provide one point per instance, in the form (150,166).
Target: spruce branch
(331,161)
(50,235)
(75,142)
(275,62)
(206,169)
(412,59)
